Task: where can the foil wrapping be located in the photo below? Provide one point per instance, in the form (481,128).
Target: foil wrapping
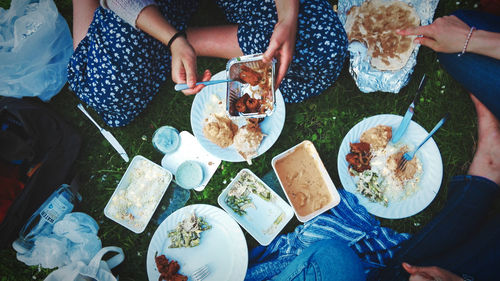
(368,78)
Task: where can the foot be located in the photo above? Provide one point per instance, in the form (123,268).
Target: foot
(486,162)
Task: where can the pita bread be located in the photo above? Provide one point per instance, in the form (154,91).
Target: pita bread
(374,23)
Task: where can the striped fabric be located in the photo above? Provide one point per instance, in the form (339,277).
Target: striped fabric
(348,221)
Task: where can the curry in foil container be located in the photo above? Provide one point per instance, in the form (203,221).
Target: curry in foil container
(251,92)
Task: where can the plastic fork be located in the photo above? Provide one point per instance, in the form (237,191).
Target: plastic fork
(408,156)
(180,87)
(200,273)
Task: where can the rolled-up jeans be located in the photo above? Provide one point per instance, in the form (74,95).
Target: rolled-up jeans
(326,260)
(463,238)
(479,74)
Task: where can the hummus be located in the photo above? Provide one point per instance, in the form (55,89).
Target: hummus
(220,130)
(302,180)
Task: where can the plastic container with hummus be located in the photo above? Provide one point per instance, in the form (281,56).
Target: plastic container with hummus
(305,181)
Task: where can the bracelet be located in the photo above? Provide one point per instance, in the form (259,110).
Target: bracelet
(467,41)
(179,33)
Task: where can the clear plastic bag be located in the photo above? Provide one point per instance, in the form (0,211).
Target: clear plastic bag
(35,47)
(72,239)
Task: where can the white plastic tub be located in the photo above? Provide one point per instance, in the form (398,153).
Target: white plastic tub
(138,194)
(305,182)
(266,218)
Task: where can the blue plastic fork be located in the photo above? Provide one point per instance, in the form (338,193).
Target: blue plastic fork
(180,87)
(408,156)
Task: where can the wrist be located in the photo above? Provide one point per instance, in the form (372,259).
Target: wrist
(176,37)
(288,11)
(485,43)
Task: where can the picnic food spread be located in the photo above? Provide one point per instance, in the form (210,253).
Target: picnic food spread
(374,24)
(222,131)
(379,179)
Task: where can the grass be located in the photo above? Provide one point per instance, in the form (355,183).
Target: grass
(325,120)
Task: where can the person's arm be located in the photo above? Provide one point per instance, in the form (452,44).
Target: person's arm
(448,35)
(485,43)
(282,43)
(83,12)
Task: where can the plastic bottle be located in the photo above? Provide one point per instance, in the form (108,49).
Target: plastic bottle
(60,203)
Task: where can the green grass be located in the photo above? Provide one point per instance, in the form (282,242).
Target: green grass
(325,120)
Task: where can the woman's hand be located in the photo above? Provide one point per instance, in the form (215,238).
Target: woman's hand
(151,21)
(282,43)
(448,35)
(445,35)
(430,273)
(184,66)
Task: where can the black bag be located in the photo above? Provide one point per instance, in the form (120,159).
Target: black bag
(39,144)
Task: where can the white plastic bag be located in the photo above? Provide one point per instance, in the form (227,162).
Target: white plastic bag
(97,269)
(73,238)
(35,47)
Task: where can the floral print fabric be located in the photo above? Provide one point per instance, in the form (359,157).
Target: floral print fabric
(117,69)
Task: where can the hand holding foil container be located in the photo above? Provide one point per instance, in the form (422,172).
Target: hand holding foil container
(251,92)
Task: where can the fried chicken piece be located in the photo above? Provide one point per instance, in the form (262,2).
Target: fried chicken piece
(360,147)
(247,140)
(168,269)
(359,157)
(240,104)
(250,76)
(252,105)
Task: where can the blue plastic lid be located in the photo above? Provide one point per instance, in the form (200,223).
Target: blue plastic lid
(189,174)
(166,139)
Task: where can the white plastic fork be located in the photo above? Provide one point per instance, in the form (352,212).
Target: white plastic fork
(408,156)
(200,273)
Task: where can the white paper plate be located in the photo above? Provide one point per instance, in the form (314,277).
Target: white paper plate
(223,247)
(428,154)
(271,126)
(190,149)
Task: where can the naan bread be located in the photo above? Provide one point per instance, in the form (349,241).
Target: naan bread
(374,23)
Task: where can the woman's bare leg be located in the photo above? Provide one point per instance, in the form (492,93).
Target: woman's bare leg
(215,41)
(83,13)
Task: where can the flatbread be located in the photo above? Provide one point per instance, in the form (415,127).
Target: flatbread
(374,24)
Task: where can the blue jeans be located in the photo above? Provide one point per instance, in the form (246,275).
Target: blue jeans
(480,75)
(325,260)
(462,238)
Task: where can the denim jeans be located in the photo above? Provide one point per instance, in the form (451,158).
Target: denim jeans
(326,260)
(480,75)
(462,238)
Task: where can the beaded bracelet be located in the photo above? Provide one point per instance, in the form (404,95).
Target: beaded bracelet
(179,33)
(467,41)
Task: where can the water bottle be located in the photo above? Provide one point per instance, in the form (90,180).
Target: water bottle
(60,203)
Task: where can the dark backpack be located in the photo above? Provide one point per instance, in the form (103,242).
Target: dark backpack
(37,151)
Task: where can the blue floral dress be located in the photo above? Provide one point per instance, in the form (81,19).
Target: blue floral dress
(117,69)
